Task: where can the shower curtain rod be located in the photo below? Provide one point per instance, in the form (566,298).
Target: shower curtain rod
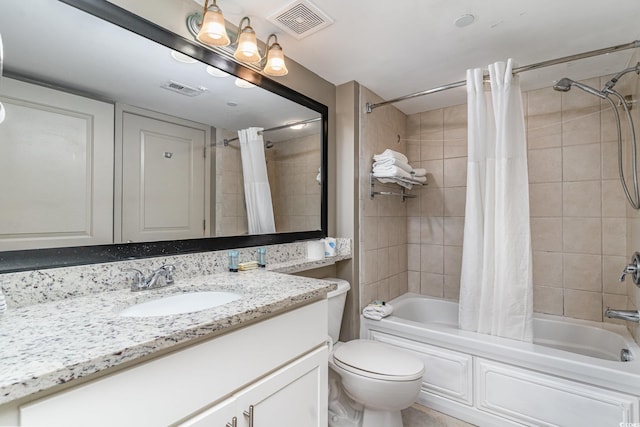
(301,122)
(636,43)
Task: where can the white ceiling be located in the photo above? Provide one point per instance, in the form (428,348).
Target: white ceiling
(397,48)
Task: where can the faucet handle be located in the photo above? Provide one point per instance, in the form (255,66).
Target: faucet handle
(169,269)
(633,268)
(138,278)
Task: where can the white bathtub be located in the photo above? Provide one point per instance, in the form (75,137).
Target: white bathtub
(570,376)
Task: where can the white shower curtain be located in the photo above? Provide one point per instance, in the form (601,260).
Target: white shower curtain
(496,278)
(257,192)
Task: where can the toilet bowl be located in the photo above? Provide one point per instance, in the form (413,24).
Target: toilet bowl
(377,379)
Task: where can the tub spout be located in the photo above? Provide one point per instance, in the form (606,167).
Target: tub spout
(629,315)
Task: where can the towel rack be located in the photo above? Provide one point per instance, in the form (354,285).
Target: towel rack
(403,194)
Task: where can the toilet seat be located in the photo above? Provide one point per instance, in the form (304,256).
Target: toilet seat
(377,360)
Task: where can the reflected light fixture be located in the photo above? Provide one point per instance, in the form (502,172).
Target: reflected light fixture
(213,30)
(297,125)
(244,84)
(181,57)
(216,72)
(210,30)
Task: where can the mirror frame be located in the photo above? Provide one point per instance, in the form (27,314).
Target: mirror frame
(35,259)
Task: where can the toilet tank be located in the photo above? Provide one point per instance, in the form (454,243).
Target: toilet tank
(336,300)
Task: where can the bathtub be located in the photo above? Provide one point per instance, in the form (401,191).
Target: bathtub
(571,375)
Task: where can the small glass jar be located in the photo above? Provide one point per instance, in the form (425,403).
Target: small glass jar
(233,261)
(262,257)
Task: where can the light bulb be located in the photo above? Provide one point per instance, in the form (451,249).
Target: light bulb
(213,31)
(247,50)
(275,62)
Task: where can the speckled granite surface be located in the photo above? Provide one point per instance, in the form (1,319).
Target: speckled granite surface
(42,345)
(41,286)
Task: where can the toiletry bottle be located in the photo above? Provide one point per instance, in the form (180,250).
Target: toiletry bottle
(262,257)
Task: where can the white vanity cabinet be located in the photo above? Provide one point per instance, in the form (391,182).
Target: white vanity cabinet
(277,366)
(294,395)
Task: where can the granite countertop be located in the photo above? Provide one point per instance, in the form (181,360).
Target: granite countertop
(44,345)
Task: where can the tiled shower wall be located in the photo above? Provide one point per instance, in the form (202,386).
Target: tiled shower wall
(292,166)
(383,219)
(231,213)
(578,214)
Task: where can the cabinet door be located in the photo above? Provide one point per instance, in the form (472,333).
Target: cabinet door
(293,396)
(217,416)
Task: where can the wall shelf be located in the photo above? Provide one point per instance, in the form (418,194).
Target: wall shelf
(403,194)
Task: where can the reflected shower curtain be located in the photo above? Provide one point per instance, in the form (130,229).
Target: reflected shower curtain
(257,192)
(496,279)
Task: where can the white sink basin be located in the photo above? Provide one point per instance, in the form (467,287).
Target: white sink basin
(180,304)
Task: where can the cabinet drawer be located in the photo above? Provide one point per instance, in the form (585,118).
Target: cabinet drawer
(446,373)
(536,399)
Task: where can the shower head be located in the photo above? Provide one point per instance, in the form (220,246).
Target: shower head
(268,144)
(565,84)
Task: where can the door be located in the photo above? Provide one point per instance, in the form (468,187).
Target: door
(163,179)
(56,168)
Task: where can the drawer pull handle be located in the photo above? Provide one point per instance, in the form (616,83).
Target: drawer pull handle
(250,415)
(234,422)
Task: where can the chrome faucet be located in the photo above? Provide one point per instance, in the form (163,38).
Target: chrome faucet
(159,278)
(628,315)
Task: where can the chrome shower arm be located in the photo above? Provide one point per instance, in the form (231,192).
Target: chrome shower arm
(611,83)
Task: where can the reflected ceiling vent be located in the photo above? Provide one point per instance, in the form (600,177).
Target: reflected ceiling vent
(300,19)
(183,89)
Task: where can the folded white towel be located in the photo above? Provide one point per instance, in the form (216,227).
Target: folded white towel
(393,162)
(386,154)
(405,184)
(419,172)
(377,310)
(391,172)
(420,179)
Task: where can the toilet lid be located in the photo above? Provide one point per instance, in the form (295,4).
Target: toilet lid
(378,360)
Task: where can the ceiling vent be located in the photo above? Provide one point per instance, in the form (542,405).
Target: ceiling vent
(183,89)
(300,19)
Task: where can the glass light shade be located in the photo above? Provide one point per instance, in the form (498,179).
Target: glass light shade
(275,62)
(247,50)
(213,31)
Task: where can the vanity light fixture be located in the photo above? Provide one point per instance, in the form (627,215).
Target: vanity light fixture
(213,30)
(275,65)
(210,30)
(247,50)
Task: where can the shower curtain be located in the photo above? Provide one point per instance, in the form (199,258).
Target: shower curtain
(496,279)
(257,192)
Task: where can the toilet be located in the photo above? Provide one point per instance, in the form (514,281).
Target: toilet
(369,382)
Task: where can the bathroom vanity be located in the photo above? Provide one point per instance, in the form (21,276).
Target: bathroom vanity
(260,360)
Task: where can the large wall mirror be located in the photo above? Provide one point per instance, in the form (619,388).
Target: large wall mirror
(123,140)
